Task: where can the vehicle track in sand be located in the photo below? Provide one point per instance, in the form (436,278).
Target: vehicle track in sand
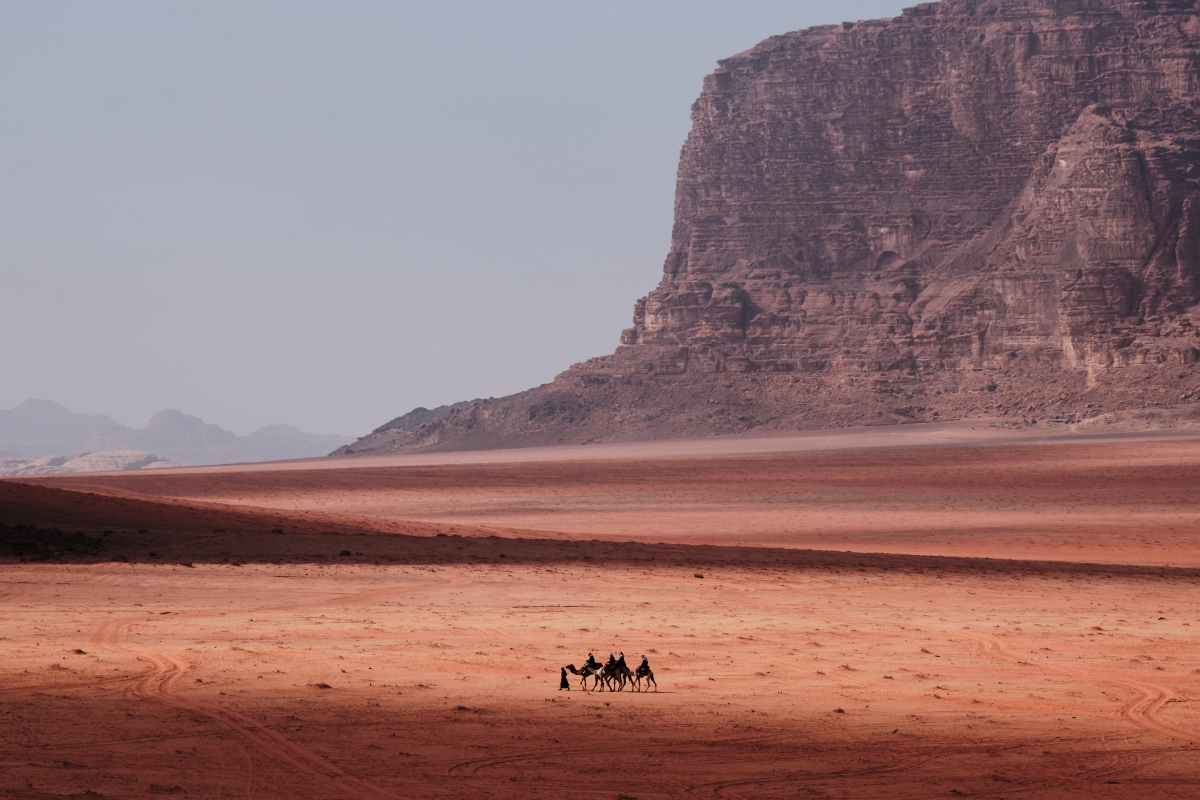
(159,685)
(6,691)
(1142,711)
(899,762)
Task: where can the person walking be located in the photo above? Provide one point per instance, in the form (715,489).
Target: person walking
(562,680)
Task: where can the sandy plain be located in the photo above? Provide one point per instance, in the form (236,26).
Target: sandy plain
(991,622)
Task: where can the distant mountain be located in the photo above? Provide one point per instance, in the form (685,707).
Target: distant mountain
(182,437)
(39,428)
(44,428)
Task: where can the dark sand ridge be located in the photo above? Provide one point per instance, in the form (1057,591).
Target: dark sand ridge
(1121,503)
(182,536)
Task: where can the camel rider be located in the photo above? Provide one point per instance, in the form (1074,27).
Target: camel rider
(612,661)
(645,665)
(621,661)
(591,662)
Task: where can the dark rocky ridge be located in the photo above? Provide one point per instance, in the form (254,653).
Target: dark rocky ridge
(979,207)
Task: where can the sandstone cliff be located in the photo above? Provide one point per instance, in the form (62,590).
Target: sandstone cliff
(978,207)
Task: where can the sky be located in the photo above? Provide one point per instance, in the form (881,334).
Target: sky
(325,214)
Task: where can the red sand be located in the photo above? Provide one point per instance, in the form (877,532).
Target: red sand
(954,676)
(1112,503)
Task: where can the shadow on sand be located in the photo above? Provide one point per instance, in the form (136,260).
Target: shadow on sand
(41,524)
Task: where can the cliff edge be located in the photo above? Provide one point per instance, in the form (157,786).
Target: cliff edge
(981,207)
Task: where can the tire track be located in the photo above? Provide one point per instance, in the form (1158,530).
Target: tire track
(62,687)
(899,763)
(159,685)
(1142,711)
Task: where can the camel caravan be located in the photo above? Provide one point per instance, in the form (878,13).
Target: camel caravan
(613,675)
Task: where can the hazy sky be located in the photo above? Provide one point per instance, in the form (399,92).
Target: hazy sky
(327,213)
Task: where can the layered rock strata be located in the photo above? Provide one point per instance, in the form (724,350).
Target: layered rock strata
(993,192)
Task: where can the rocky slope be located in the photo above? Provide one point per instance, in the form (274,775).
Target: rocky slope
(979,207)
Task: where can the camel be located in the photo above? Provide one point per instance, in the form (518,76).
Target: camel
(615,673)
(644,671)
(584,673)
(623,674)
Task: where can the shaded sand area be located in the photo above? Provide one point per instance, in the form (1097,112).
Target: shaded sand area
(1018,623)
(1122,503)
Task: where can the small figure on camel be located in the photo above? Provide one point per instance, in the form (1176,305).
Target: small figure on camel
(644,671)
(615,675)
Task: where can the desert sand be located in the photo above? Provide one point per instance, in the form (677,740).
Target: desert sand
(908,622)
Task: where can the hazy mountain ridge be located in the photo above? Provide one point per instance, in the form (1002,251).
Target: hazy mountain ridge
(40,428)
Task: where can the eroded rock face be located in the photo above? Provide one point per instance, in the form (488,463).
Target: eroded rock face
(1006,186)
(970,183)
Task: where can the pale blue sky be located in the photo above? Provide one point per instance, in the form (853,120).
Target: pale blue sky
(327,213)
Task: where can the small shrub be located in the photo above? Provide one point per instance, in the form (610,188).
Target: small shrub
(699,574)
(344,553)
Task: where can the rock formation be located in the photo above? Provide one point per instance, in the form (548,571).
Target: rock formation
(978,207)
(108,461)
